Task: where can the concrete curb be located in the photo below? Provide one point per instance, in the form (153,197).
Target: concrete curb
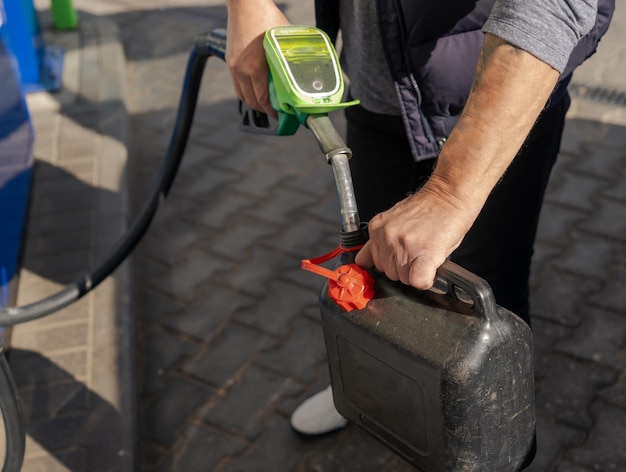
(82,135)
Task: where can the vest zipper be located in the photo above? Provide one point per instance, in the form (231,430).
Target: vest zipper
(427,131)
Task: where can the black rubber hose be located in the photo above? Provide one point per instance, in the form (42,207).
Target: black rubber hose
(15,434)
(205,46)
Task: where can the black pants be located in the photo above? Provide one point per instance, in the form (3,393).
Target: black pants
(499,246)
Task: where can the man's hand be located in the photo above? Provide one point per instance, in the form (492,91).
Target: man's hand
(410,241)
(247,22)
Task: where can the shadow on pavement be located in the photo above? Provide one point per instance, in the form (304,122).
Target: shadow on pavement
(59,245)
(60,411)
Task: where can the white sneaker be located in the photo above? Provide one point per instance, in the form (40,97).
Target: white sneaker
(318,415)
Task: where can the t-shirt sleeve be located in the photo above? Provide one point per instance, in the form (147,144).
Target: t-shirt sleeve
(547,29)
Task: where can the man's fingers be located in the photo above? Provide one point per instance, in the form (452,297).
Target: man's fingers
(262,94)
(255,94)
(364,256)
(419,273)
(391,269)
(422,274)
(369,256)
(244,88)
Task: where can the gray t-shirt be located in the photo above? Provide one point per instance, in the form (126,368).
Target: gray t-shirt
(548,29)
(544,28)
(363,59)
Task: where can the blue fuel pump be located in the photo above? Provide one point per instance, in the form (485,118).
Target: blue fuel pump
(40,65)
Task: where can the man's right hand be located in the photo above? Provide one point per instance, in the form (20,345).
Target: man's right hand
(247,22)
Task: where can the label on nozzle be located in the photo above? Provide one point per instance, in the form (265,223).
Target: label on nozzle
(349,285)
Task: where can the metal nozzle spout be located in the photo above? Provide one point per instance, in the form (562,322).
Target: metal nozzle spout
(337,155)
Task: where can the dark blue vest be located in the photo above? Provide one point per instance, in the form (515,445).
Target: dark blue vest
(432,48)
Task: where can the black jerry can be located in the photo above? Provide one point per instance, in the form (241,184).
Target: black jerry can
(444,377)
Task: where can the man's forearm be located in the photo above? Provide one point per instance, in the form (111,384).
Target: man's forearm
(509,91)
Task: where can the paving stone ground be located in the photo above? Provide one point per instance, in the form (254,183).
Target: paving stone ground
(228,335)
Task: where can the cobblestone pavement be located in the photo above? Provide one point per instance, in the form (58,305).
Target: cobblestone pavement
(229,338)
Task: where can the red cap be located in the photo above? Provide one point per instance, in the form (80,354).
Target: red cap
(352,288)
(349,285)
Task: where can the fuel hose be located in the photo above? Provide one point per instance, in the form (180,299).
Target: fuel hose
(206,45)
(15,435)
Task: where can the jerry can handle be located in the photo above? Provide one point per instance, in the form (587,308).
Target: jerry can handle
(454,277)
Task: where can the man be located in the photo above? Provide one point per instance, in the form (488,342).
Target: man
(463,105)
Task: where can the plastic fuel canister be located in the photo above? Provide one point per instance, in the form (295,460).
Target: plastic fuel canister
(444,378)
